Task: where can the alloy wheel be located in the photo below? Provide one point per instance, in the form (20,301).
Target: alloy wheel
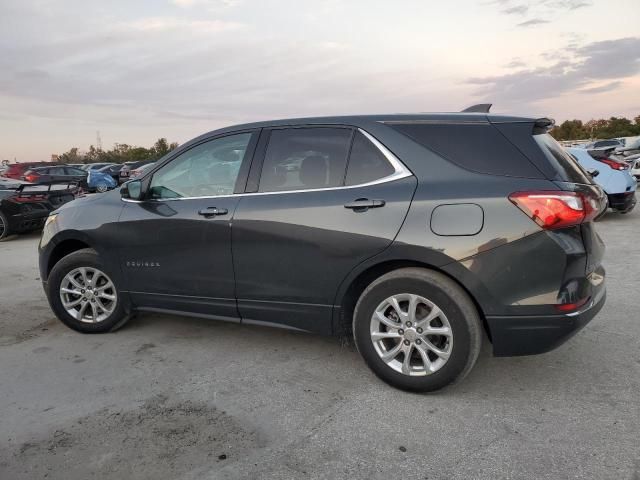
(88,295)
(411,334)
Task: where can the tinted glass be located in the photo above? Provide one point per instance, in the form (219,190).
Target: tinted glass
(304,158)
(55,171)
(75,171)
(477,147)
(366,162)
(566,166)
(208,169)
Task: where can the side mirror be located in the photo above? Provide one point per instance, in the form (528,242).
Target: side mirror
(132,190)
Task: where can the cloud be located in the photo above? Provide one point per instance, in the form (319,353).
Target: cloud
(517,10)
(607,87)
(609,60)
(205,3)
(516,63)
(541,11)
(532,22)
(172,23)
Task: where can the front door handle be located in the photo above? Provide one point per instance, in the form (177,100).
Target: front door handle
(212,212)
(364,204)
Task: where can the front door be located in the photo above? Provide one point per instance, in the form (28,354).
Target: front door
(175,245)
(312,220)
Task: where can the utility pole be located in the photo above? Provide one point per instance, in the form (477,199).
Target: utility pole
(98,141)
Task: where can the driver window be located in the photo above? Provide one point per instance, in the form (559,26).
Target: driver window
(207,170)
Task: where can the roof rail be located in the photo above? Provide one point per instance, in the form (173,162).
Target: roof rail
(479,108)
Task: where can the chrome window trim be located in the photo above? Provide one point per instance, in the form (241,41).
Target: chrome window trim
(400,171)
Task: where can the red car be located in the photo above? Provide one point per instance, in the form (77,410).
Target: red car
(17,170)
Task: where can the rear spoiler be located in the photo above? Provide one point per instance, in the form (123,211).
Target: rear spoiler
(543,125)
(27,189)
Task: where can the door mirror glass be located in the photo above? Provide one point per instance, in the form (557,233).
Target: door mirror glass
(132,190)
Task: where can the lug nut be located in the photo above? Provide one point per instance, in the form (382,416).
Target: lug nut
(419,330)
(408,324)
(418,341)
(406,342)
(401,332)
(81,291)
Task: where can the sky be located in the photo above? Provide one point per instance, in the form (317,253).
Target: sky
(139,70)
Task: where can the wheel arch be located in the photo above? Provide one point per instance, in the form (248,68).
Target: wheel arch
(62,249)
(346,302)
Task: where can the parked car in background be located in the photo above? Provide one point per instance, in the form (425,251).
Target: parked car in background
(137,172)
(634,167)
(56,174)
(413,232)
(10,183)
(26,207)
(125,171)
(96,166)
(16,170)
(613,142)
(113,170)
(99,181)
(614,177)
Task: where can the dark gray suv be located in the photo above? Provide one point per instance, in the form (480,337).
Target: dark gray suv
(414,233)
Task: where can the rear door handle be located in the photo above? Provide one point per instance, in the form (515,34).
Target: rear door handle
(212,212)
(364,204)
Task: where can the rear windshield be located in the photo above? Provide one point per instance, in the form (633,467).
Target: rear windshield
(565,165)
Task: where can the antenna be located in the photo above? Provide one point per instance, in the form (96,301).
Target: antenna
(98,141)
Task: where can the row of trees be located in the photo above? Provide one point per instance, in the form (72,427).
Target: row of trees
(602,129)
(120,153)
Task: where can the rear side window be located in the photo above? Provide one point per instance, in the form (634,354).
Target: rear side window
(366,162)
(476,147)
(564,164)
(305,158)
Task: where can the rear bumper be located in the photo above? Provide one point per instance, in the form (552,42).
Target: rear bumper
(622,201)
(531,335)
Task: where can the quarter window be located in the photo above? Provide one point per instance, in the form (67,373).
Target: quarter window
(209,169)
(366,162)
(305,158)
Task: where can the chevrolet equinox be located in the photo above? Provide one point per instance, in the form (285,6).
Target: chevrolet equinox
(414,233)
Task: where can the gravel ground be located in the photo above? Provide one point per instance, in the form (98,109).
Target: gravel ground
(169,397)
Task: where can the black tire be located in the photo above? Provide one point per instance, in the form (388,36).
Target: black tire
(4,227)
(460,311)
(84,258)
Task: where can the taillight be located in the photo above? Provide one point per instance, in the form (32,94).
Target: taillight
(570,307)
(553,210)
(613,164)
(32,177)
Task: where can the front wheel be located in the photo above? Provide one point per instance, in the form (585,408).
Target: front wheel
(417,329)
(83,294)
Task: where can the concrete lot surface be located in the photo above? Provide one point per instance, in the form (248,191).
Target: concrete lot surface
(169,397)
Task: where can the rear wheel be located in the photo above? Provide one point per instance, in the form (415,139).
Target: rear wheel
(83,294)
(417,329)
(102,187)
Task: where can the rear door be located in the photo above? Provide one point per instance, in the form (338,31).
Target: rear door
(325,199)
